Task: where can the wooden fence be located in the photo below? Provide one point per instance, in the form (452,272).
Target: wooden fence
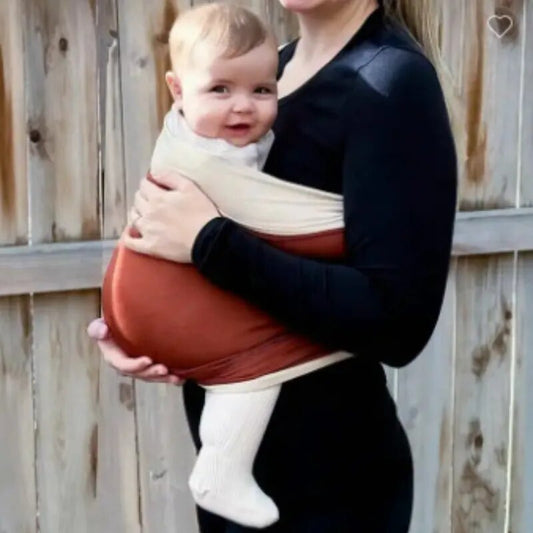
(84,450)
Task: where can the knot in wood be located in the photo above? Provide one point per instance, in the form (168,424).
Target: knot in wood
(35,136)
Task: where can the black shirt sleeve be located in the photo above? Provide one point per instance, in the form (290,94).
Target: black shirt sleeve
(399,187)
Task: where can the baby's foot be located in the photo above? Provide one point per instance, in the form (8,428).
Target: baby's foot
(220,486)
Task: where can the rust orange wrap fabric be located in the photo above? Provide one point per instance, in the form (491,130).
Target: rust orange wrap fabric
(172,313)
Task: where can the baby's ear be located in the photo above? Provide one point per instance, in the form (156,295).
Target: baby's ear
(174,86)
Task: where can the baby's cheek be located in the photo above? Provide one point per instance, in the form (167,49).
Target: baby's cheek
(208,123)
(269,113)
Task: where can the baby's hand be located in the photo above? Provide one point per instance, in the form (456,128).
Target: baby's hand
(135,367)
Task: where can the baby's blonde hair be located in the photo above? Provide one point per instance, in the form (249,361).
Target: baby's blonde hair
(231,29)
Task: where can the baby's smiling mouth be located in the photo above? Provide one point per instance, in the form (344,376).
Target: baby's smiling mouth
(240,128)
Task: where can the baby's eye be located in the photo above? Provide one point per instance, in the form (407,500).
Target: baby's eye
(263,90)
(221,89)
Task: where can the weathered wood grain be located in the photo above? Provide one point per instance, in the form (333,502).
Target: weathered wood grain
(143,34)
(62,119)
(66,399)
(482,393)
(166,458)
(112,176)
(13,183)
(18,499)
(526,113)
(492,232)
(490,88)
(17,476)
(425,406)
(53,267)
(117,475)
(521,490)
(61,72)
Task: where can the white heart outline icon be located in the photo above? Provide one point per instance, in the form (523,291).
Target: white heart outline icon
(499,18)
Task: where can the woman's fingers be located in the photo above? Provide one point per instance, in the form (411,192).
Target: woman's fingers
(135,367)
(148,189)
(154,377)
(172,180)
(98,329)
(120,360)
(150,372)
(139,245)
(171,380)
(156,374)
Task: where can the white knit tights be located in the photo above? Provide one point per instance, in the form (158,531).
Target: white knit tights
(231,429)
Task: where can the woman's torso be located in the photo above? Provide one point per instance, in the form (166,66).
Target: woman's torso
(331,430)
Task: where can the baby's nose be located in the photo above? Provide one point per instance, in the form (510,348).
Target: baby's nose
(242,104)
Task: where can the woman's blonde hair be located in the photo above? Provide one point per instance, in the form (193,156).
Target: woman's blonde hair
(420,20)
(232,29)
(423,21)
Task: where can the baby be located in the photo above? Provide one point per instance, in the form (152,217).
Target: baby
(223,82)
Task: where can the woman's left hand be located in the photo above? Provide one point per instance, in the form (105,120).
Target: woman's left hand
(168,220)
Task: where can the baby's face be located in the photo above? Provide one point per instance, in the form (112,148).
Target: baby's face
(234,99)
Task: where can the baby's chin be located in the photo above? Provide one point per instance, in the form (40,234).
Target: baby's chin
(237,137)
(242,140)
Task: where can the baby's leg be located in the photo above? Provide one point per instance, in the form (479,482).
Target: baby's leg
(231,430)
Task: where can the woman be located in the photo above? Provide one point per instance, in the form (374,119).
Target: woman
(362,114)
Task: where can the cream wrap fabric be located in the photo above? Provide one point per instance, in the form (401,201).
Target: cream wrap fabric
(248,196)
(231,178)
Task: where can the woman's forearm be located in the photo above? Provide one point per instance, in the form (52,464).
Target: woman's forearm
(331,303)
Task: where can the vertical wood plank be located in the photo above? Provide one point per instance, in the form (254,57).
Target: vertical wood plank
(166,457)
(17,477)
(117,474)
(526,153)
(521,494)
(61,67)
(144,28)
(66,398)
(164,445)
(482,393)
(425,406)
(490,89)
(13,184)
(114,207)
(18,501)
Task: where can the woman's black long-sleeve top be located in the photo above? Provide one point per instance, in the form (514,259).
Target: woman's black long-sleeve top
(371,125)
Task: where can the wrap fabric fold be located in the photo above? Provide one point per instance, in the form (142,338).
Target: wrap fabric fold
(175,315)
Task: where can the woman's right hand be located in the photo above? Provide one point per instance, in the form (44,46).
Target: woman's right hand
(135,367)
